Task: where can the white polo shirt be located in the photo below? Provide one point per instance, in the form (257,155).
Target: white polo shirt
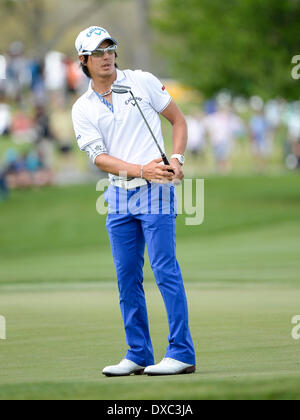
(120,130)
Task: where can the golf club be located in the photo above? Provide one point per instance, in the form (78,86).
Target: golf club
(121,90)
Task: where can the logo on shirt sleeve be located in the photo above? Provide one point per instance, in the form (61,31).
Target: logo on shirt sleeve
(163,88)
(100,148)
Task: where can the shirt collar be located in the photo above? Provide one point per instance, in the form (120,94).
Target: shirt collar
(120,78)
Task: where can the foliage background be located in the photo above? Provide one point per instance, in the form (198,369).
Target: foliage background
(246,46)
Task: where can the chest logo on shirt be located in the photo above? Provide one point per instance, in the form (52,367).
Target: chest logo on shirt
(131,101)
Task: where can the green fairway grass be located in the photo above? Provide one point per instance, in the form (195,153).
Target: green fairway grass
(60,338)
(59,296)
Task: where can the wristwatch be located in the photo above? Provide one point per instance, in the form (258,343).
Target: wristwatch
(180,158)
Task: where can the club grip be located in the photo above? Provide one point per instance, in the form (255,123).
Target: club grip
(166,162)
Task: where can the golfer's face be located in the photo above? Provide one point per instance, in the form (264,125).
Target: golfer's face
(102,66)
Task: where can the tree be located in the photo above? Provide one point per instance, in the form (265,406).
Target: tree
(43,33)
(246,46)
(44,25)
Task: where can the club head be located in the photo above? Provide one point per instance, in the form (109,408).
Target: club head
(121,89)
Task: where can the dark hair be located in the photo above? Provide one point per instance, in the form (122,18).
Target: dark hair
(85,69)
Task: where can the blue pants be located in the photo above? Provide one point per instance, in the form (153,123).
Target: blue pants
(129,233)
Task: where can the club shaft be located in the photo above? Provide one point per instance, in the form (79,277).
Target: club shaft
(164,157)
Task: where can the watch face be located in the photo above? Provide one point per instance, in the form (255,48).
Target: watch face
(181,160)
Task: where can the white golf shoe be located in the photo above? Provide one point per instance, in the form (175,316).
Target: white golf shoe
(169,366)
(124,368)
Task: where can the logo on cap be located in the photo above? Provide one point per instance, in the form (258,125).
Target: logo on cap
(96,31)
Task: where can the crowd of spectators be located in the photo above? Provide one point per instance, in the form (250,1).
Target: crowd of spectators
(30,88)
(54,77)
(225,121)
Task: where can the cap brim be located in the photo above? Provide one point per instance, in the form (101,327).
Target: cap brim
(108,39)
(105,39)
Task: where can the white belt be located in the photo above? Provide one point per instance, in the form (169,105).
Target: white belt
(129,185)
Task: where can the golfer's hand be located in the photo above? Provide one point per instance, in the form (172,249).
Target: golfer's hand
(156,172)
(177,168)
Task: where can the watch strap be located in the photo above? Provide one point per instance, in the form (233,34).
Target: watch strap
(180,158)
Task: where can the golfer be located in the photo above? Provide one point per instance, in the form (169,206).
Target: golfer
(141,197)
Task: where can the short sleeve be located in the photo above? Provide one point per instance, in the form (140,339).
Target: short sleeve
(159,96)
(94,149)
(85,131)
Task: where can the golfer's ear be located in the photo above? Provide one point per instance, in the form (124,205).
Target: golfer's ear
(82,59)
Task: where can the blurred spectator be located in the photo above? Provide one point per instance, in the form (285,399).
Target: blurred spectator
(16,173)
(74,75)
(223,128)
(196,135)
(43,137)
(22,127)
(40,175)
(5,116)
(261,138)
(292,120)
(210,107)
(55,77)
(2,73)
(273,110)
(38,89)
(23,171)
(17,72)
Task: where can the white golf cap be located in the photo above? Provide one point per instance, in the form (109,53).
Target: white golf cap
(90,39)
